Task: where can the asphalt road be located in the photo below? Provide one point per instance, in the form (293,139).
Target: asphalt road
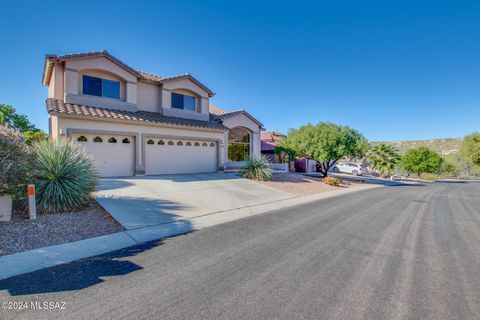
(410,252)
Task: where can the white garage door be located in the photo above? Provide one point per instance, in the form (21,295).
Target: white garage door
(171,156)
(113,154)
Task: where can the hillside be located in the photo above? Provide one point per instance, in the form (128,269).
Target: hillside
(442,146)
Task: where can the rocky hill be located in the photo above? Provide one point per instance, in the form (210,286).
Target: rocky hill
(443,146)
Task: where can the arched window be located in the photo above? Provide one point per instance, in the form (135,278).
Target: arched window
(82,139)
(112,140)
(170,143)
(188,144)
(97,139)
(197,144)
(212,144)
(126,140)
(161,142)
(204,144)
(238,144)
(179,143)
(150,141)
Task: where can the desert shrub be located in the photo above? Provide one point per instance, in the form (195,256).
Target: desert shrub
(448,169)
(429,176)
(15,164)
(257,167)
(64,176)
(32,137)
(331,181)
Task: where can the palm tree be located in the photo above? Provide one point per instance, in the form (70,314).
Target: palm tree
(384,158)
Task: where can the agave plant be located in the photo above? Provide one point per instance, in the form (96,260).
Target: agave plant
(64,175)
(257,167)
(384,158)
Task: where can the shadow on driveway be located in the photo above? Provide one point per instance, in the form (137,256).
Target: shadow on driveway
(78,274)
(134,213)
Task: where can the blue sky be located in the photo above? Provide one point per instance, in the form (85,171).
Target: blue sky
(394,70)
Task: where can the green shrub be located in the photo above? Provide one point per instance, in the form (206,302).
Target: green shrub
(15,164)
(257,167)
(331,181)
(64,176)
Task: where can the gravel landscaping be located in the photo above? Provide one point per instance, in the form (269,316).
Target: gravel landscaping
(51,229)
(298,184)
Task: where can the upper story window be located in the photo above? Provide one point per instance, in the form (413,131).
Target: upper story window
(101,87)
(181,101)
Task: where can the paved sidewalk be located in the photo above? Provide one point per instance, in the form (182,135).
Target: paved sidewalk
(29,261)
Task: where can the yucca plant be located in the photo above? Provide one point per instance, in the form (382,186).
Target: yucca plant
(64,175)
(257,167)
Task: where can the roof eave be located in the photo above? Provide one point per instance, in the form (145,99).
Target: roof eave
(233,113)
(193,79)
(147,123)
(47,68)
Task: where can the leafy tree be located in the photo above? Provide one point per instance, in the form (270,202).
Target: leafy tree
(422,159)
(34,136)
(384,158)
(471,147)
(281,150)
(14,120)
(326,143)
(10,118)
(448,168)
(464,166)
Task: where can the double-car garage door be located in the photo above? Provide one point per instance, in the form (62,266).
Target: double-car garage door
(170,156)
(114,155)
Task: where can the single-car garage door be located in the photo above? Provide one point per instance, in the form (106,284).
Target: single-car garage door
(113,154)
(171,156)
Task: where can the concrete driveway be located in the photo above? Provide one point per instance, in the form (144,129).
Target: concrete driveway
(138,202)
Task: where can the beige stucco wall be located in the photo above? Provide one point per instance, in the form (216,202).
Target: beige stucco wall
(55,88)
(67,84)
(149,97)
(69,125)
(104,68)
(185,86)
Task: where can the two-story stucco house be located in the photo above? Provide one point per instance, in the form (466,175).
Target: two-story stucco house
(133,122)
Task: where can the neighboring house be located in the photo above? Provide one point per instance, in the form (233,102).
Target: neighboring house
(269,140)
(133,122)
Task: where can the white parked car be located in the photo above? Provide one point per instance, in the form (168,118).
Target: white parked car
(348,167)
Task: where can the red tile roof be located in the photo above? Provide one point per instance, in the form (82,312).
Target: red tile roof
(269,140)
(59,107)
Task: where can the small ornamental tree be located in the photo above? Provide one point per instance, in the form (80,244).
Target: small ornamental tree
(471,147)
(15,164)
(10,118)
(384,158)
(326,143)
(422,160)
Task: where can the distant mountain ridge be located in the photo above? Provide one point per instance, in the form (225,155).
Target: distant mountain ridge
(443,146)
